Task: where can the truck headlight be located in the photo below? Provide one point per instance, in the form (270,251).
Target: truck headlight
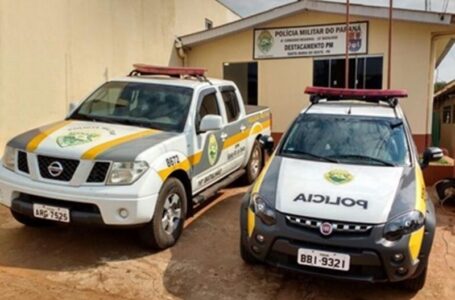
(126,172)
(262,209)
(404,224)
(9,158)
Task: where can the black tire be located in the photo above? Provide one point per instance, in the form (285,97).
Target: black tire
(30,221)
(154,234)
(255,164)
(443,187)
(417,283)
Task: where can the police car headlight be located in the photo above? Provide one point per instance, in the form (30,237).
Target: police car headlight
(9,158)
(126,172)
(262,209)
(404,224)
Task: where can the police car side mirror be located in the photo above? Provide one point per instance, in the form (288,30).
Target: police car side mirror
(210,122)
(431,154)
(267,143)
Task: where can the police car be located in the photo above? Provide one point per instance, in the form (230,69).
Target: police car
(143,150)
(343,194)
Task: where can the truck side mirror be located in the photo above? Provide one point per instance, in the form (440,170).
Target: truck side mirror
(267,142)
(211,122)
(431,154)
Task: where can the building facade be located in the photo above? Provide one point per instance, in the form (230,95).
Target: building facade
(53,52)
(444,118)
(274,55)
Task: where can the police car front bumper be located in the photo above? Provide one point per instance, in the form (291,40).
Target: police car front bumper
(371,256)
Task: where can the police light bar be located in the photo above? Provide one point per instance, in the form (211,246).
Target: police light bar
(355,94)
(143,69)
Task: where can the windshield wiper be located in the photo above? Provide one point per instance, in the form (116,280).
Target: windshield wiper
(84,117)
(135,123)
(319,157)
(366,157)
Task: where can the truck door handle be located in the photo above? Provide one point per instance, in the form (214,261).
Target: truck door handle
(224,136)
(242,128)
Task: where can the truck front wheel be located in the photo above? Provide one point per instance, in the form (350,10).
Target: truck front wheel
(166,226)
(255,163)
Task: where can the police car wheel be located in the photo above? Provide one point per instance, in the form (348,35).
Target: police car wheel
(417,283)
(29,221)
(166,226)
(255,163)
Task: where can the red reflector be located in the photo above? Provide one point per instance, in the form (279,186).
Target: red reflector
(355,93)
(171,71)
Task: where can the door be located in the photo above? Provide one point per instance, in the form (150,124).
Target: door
(235,133)
(207,146)
(245,76)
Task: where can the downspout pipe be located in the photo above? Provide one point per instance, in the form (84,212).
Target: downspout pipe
(180,51)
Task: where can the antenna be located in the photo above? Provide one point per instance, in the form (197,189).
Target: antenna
(389,58)
(346,63)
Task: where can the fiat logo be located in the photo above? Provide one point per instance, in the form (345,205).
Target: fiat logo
(55,169)
(326,229)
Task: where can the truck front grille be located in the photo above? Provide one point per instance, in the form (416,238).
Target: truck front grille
(22,163)
(340,227)
(69,167)
(99,172)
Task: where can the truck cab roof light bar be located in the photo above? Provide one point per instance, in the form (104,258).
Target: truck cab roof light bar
(179,72)
(339,94)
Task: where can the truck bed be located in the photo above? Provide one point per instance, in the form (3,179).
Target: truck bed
(251,109)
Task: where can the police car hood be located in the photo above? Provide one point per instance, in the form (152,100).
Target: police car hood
(339,192)
(90,140)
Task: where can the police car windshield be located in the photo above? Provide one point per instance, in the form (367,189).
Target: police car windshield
(162,107)
(348,139)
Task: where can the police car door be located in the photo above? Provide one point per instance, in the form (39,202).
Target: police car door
(235,133)
(208,146)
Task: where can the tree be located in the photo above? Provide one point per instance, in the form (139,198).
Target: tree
(439,85)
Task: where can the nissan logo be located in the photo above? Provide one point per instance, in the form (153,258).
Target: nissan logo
(326,229)
(55,169)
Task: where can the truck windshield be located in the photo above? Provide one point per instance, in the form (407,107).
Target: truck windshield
(161,107)
(348,139)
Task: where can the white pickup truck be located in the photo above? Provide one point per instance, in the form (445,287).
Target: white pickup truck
(142,150)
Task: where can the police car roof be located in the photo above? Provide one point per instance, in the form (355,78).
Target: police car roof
(355,108)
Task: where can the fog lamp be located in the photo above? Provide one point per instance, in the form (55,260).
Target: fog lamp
(123,213)
(398,257)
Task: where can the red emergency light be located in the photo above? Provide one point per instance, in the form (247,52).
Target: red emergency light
(144,69)
(354,94)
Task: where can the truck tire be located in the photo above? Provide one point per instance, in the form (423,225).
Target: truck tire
(255,163)
(444,189)
(166,226)
(417,283)
(29,221)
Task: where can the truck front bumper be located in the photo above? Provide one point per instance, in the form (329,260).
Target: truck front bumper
(371,256)
(93,205)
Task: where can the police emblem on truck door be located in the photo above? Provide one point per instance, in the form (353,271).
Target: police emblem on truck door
(212,150)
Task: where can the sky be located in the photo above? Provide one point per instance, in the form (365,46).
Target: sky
(446,70)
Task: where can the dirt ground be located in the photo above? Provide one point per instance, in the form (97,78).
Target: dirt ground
(82,263)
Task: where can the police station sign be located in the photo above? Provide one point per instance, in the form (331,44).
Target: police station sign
(305,41)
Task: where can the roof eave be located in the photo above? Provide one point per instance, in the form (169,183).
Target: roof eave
(317,6)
